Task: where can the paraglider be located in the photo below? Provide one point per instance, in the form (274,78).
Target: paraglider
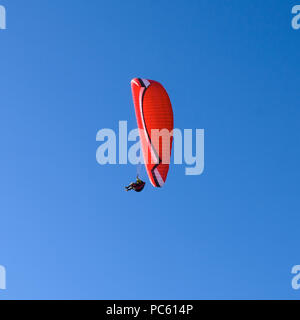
(137,186)
(154,114)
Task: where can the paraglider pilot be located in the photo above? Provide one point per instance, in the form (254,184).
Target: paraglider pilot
(137,186)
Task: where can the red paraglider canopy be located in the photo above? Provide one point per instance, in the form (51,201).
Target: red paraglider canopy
(154,115)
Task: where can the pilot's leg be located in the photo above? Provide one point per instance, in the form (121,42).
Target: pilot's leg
(129,187)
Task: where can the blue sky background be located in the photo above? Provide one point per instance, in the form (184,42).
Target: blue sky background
(67,228)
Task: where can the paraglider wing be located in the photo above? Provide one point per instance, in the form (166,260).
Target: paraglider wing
(154,113)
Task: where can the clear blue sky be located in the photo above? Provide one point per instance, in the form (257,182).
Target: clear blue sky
(67,228)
